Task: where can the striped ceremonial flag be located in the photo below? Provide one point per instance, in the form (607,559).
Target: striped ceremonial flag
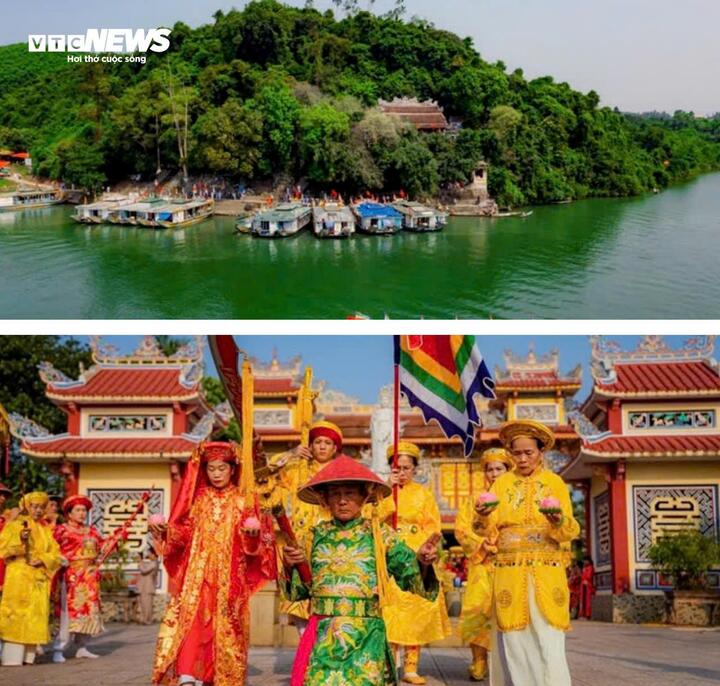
(442,375)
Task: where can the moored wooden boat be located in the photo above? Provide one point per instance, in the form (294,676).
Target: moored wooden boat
(99,212)
(285,219)
(30,199)
(420,218)
(163,213)
(333,220)
(373,217)
(177,214)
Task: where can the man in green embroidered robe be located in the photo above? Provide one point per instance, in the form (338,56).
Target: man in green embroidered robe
(352,559)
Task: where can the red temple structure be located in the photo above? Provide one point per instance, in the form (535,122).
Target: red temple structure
(649,465)
(132,422)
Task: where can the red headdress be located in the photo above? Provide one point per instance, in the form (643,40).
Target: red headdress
(194,483)
(73,500)
(329,430)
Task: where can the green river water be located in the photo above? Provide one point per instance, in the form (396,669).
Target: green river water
(653,257)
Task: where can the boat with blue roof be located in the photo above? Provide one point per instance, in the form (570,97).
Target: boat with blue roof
(376,218)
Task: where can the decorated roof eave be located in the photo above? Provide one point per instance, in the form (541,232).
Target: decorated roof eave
(573,387)
(649,395)
(276,394)
(612,456)
(123,399)
(80,457)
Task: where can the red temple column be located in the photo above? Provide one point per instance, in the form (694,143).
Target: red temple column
(614,416)
(179,421)
(619,528)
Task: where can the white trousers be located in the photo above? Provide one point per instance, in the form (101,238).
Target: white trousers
(534,656)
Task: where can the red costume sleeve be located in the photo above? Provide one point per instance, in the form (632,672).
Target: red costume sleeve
(175,551)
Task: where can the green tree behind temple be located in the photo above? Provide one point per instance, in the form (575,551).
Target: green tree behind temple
(278,92)
(23,391)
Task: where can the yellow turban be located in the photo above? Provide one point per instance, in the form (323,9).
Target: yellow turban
(497,455)
(526,428)
(404,448)
(34,498)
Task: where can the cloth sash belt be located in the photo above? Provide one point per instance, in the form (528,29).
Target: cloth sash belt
(526,545)
(335,606)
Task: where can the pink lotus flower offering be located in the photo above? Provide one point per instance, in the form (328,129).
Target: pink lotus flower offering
(487,500)
(156,519)
(251,523)
(550,506)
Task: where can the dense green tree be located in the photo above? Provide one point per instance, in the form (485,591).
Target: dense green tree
(81,163)
(22,391)
(280,112)
(312,82)
(324,136)
(228,140)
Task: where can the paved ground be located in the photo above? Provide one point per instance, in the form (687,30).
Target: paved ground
(599,655)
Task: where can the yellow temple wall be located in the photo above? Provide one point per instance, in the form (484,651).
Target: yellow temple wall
(691,502)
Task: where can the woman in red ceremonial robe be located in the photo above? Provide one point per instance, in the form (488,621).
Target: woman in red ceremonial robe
(79,545)
(218,549)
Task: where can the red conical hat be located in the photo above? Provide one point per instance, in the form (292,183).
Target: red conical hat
(341,469)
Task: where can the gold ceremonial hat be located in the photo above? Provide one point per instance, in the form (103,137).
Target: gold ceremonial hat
(34,498)
(404,448)
(526,428)
(497,455)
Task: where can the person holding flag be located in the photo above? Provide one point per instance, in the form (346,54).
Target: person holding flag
(218,550)
(532,518)
(357,564)
(476,617)
(413,622)
(80,545)
(31,557)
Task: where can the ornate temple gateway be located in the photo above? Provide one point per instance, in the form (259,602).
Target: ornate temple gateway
(132,422)
(649,464)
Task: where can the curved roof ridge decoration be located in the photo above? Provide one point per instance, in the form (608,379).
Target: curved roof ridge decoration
(148,353)
(24,428)
(533,368)
(606,354)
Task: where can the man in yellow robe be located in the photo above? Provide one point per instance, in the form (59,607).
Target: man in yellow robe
(532,520)
(32,557)
(411,621)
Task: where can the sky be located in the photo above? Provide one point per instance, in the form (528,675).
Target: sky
(361,365)
(638,55)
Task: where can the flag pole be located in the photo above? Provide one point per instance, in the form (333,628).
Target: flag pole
(396,429)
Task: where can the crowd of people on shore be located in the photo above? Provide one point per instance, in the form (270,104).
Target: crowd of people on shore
(356,560)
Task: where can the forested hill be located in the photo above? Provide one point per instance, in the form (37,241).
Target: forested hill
(278,91)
